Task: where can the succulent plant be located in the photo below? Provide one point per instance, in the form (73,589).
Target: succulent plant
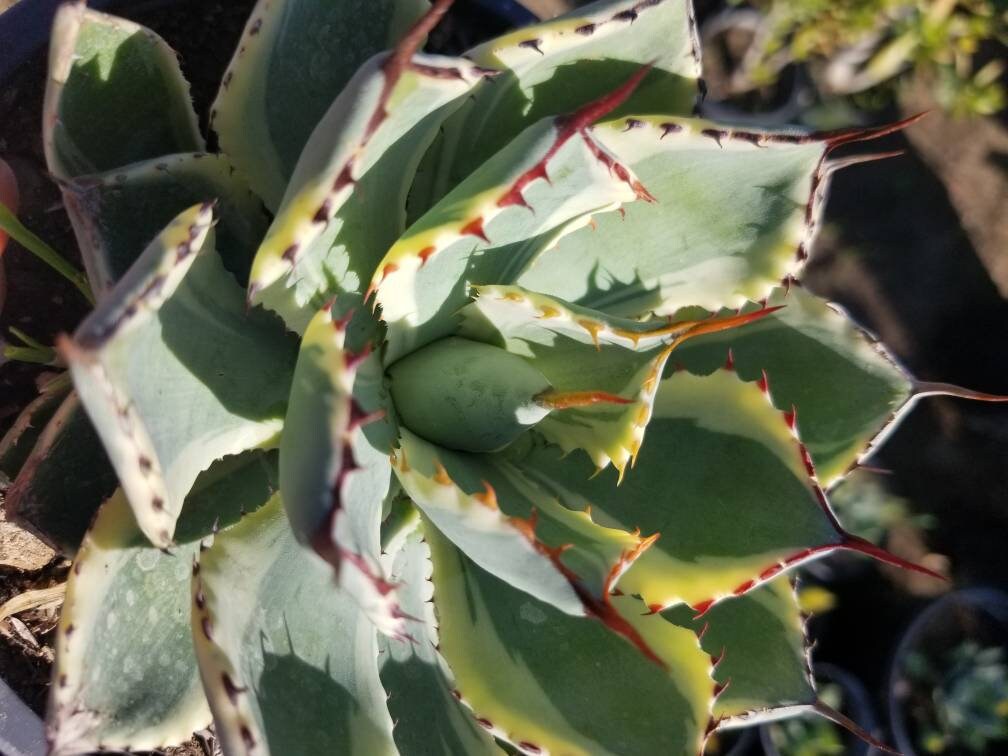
(470,439)
(959,702)
(859,46)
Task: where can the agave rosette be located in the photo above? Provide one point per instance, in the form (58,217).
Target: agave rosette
(504,424)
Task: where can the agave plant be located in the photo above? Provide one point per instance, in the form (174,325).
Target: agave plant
(470,439)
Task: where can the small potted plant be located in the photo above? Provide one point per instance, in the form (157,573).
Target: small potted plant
(949,680)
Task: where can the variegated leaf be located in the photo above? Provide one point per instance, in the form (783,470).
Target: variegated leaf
(763,654)
(428,718)
(724,481)
(604,371)
(293,59)
(334,464)
(557,66)
(734,215)
(345,204)
(175,373)
(844,386)
(288,660)
(516,529)
(546,182)
(471,518)
(587,364)
(115,95)
(548,682)
(125,675)
(116,214)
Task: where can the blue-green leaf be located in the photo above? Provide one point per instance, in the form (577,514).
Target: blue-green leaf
(293,59)
(288,660)
(125,675)
(115,95)
(175,373)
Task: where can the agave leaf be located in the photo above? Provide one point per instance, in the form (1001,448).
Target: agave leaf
(334,464)
(125,675)
(581,354)
(472,519)
(116,214)
(735,213)
(175,374)
(604,370)
(512,315)
(345,204)
(557,66)
(763,655)
(549,682)
(399,519)
(843,385)
(514,528)
(722,478)
(115,95)
(288,661)
(429,719)
(547,181)
(463,394)
(293,59)
(63,481)
(17,443)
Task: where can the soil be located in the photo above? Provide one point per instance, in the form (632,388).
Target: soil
(26,650)
(894,253)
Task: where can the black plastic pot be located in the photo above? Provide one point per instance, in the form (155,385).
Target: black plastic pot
(979,614)
(741,742)
(857,705)
(21,732)
(24,28)
(508,11)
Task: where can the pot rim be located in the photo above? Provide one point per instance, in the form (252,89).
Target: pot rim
(990,601)
(24,27)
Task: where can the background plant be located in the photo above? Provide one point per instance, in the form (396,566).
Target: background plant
(968,707)
(859,45)
(811,736)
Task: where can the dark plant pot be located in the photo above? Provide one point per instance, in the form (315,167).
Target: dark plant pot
(740,742)
(24,28)
(979,614)
(857,705)
(21,732)
(509,12)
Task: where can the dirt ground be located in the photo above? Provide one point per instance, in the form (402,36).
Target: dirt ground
(906,250)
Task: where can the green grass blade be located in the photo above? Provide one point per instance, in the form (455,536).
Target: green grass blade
(19,233)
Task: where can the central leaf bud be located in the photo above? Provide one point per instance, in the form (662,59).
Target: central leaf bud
(467,395)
